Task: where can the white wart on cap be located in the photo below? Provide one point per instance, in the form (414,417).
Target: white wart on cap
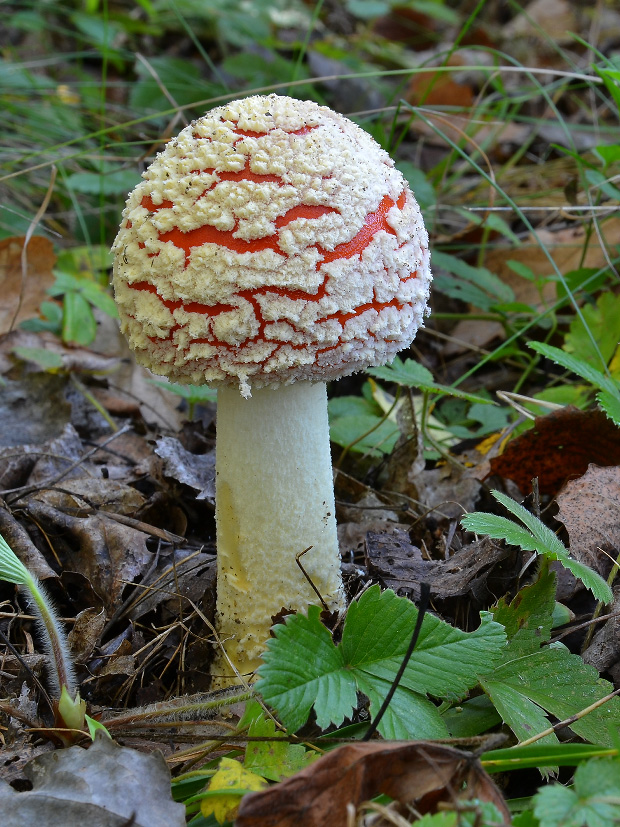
(272,241)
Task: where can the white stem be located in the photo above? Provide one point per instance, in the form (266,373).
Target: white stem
(274,499)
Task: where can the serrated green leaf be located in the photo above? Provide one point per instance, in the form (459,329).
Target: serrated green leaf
(535,537)
(303,667)
(535,679)
(409,715)
(594,800)
(576,365)
(377,632)
(610,403)
(499,528)
(542,533)
(524,717)
(528,618)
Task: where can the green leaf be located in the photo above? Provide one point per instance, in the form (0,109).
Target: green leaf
(11,567)
(475,285)
(472,717)
(610,403)
(542,755)
(304,668)
(601,322)
(193,393)
(412,374)
(419,183)
(576,365)
(535,537)
(350,417)
(78,323)
(477,814)
(47,359)
(95,294)
(118,182)
(275,759)
(535,679)
(594,800)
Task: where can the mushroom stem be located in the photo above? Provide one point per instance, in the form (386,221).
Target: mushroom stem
(274,499)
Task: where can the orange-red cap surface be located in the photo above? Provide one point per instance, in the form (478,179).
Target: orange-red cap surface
(273,240)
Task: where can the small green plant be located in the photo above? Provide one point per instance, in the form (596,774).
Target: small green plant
(608,387)
(304,669)
(534,535)
(69,709)
(78,289)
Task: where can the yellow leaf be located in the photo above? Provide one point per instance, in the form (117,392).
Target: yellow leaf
(230,776)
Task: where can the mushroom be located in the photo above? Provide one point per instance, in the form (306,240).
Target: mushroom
(271,247)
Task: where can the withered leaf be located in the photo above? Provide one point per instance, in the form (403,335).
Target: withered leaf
(85,634)
(590,509)
(108,553)
(106,785)
(195,470)
(23,292)
(399,565)
(413,772)
(559,448)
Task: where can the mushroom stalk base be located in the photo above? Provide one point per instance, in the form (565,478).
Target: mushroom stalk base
(274,500)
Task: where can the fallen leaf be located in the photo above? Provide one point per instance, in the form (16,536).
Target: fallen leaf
(547,20)
(589,507)
(85,634)
(33,410)
(604,651)
(414,772)
(195,470)
(558,448)
(106,786)
(108,553)
(29,287)
(399,565)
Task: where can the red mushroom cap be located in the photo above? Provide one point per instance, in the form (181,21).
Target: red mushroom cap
(273,240)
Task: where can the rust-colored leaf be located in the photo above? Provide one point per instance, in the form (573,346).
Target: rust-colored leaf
(414,772)
(559,448)
(28,287)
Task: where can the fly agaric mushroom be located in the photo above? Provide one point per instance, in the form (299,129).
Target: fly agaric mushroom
(272,247)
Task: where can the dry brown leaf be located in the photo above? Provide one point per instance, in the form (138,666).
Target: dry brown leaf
(85,634)
(558,448)
(109,554)
(589,507)
(549,20)
(13,286)
(415,772)
(399,565)
(604,651)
